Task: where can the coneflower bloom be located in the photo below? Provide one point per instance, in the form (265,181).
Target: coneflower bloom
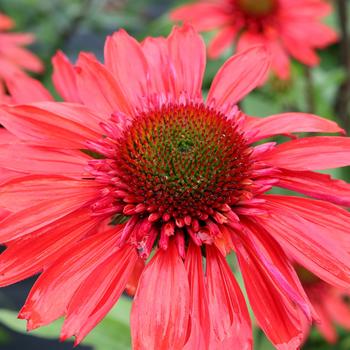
(287,27)
(143,164)
(14,58)
(331,304)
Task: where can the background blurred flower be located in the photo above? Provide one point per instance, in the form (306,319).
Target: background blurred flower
(287,27)
(330,303)
(100,195)
(13,57)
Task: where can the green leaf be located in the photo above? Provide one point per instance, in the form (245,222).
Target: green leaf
(112,333)
(10,320)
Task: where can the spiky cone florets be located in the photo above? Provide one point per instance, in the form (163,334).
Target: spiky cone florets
(174,170)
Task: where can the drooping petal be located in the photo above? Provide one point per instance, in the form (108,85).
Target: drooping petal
(187,52)
(199,323)
(276,264)
(24,89)
(260,252)
(320,186)
(160,312)
(311,153)
(46,246)
(276,313)
(238,76)
(64,78)
(311,242)
(228,312)
(286,123)
(52,124)
(51,293)
(111,277)
(327,215)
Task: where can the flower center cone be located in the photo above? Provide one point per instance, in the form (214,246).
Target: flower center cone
(257,8)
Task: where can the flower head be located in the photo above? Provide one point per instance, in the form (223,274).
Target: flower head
(13,57)
(141,163)
(280,25)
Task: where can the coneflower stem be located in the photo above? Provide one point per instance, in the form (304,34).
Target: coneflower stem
(343,96)
(309,87)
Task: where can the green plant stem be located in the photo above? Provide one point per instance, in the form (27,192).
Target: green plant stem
(343,97)
(309,93)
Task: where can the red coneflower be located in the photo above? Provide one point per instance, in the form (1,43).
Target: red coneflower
(330,303)
(286,27)
(13,57)
(143,164)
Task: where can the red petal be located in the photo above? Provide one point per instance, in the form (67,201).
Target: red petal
(41,214)
(199,326)
(4,213)
(5,22)
(313,8)
(134,279)
(24,89)
(203,16)
(231,327)
(100,291)
(23,58)
(16,39)
(238,76)
(24,158)
(276,316)
(98,89)
(64,78)
(125,59)
(24,192)
(280,62)
(318,295)
(161,75)
(187,52)
(337,307)
(300,49)
(311,153)
(286,123)
(160,312)
(316,185)
(222,41)
(51,293)
(310,241)
(52,124)
(44,248)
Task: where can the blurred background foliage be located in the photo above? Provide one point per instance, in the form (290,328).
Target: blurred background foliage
(81,25)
